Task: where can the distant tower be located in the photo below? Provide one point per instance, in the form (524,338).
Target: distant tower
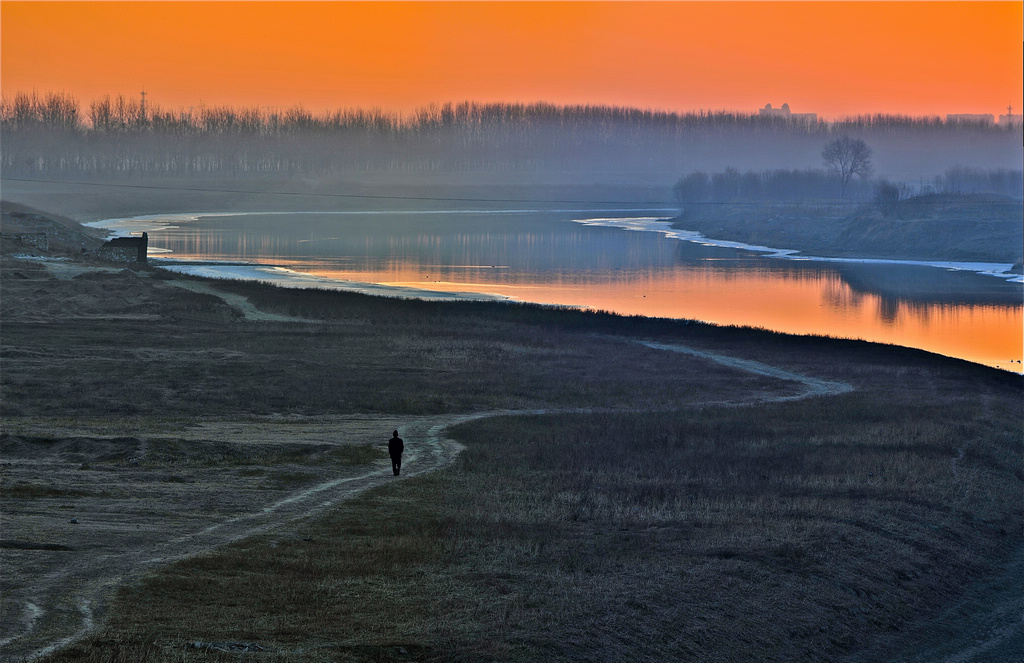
(142,108)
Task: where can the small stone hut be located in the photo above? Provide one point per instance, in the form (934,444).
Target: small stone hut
(125,249)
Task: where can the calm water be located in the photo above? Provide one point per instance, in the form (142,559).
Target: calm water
(600,260)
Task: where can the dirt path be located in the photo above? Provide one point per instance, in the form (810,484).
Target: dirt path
(65,600)
(237,302)
(61,605)
(166,514)
(812,386)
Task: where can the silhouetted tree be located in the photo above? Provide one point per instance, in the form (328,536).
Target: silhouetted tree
(847,157)
(726,186)
(887,197)
(690,192)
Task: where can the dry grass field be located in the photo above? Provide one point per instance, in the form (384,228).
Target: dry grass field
(614,501)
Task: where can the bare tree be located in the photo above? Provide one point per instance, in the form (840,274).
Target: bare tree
(846,157)
(691,192)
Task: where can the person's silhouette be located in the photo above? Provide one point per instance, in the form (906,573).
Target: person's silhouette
(395,449)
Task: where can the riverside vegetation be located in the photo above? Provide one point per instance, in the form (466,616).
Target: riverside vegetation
(680,513)
(964,215)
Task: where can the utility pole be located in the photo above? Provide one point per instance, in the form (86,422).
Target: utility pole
(142,108)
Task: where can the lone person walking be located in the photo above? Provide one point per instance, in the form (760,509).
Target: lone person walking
(395,448)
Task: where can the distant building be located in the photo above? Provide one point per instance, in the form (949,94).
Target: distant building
(972,118)
(768,111)
(1011,120)
(125,249)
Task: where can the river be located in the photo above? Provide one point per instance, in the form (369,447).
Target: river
(624,261)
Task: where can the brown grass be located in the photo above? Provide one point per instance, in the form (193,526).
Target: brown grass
(675,529)
(395,357)
(805,531)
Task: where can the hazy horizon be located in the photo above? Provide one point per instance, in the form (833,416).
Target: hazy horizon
(835,59)
(153,106)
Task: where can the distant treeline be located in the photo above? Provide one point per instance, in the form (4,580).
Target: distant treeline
(733,186)
(961,179)
(50,134)
(698,191)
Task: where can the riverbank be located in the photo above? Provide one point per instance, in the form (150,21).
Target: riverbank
(677,507)
(965,228)
(970,228)
(939,306)
(669,228)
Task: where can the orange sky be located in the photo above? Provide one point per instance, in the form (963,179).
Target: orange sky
(840,58)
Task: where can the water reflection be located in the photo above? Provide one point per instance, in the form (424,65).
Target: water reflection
(548,259)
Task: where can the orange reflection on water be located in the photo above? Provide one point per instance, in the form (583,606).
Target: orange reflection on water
(787,301)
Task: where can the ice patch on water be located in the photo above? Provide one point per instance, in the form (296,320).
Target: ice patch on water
(660,225)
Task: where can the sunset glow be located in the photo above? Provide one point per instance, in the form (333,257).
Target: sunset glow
(831,58)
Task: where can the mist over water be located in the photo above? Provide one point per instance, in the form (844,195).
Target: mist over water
(598,261)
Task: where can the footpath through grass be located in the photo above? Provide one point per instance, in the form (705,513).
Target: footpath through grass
(780,532)
(814,530)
